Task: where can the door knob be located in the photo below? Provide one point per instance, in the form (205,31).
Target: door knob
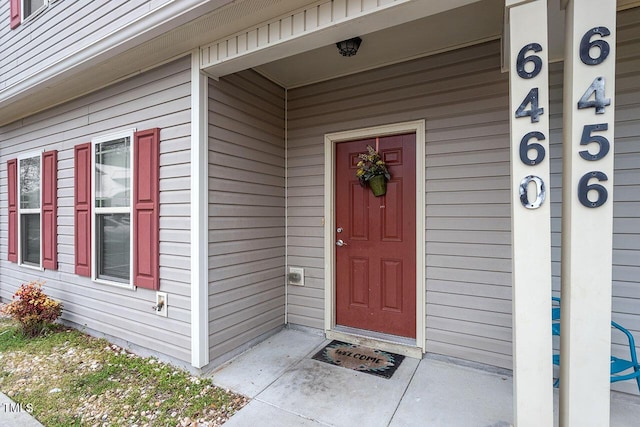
(340,243)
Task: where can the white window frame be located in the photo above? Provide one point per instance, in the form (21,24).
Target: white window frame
(95,212)
(22,211)
(34,13)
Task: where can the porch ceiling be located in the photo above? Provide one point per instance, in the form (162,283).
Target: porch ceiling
(470,24)
(473,23)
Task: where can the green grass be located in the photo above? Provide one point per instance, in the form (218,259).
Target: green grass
(101,383)
(55,336)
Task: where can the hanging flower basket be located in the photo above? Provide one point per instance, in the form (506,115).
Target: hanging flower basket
(378,185)
(372,171)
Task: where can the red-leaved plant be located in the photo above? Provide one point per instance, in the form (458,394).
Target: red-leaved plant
(33,309)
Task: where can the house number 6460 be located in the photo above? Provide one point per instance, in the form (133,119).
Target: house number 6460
(527,58)
(541,192)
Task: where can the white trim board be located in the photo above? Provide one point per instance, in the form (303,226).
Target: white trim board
(330,141)
(319,24)
(199,215)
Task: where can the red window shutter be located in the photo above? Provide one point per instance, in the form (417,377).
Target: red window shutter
(82,210)
(50,210)
(146,209)
(15,13)
(12,170)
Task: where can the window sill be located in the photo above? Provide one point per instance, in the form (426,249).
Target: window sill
(114,284)
(32,267)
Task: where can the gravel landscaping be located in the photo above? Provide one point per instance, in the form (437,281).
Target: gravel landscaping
(69,378)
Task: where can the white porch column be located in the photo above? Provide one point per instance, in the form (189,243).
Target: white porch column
(587,212)
(199,215)
(530,213)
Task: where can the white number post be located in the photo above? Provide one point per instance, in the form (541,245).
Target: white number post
(530,213)
(587,212)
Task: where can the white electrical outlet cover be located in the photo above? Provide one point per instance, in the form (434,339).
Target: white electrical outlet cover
(162,296)
(297,270)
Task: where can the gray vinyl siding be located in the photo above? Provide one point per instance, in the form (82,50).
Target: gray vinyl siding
(464,98)
(626,208)
(157,98)
(626,194)
(246,210)
(64,28)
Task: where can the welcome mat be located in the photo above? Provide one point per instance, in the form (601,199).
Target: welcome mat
(359,358)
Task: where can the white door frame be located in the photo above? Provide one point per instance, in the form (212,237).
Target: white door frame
(330,141)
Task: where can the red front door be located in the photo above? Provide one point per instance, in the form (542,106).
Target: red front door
(376,266)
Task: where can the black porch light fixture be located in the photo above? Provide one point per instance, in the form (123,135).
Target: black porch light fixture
(349,47)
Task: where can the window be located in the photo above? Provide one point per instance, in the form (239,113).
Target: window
(22,10)
(32,202)
(117,209)
(29,236)
(112,171)
(30,7)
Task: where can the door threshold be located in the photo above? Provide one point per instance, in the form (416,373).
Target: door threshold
(393,343)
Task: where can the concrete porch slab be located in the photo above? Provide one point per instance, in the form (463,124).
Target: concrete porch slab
(254,370)
(337,396)
(262,414)
(445,394)
(625,410)
(299,391)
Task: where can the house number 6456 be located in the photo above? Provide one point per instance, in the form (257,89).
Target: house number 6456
(594,97)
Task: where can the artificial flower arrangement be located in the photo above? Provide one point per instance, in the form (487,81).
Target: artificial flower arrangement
(373,172)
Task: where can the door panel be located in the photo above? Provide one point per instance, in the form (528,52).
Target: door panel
(392,216)
(376,268)
(359,282)
(358,217)
(391,282)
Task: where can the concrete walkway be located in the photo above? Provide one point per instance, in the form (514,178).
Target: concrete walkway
(14,415)
(288,388)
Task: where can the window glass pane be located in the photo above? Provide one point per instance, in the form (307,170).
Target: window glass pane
(30,235)
(113,174)
(30,183)
(31,6)
(113,246)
